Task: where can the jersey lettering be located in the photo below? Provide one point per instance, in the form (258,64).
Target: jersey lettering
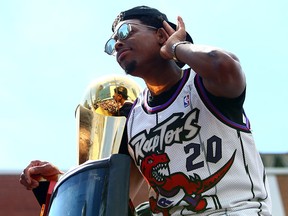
(190,165)
(164,202)
(214,153)
(214,149)
(173,130)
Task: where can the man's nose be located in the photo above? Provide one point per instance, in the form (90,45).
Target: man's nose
(118,45)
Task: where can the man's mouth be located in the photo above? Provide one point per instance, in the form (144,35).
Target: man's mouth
(121,54)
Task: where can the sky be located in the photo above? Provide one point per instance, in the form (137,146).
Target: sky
(51,50)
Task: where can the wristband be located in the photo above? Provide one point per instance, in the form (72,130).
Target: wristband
(174,49)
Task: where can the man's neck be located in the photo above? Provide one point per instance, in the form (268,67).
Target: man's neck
(163,82)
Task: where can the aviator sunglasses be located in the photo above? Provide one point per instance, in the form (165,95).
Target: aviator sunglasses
(121,33)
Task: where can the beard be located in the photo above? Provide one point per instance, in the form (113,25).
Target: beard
(130,68)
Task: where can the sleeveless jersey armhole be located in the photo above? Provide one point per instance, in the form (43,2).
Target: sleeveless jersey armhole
(231,108)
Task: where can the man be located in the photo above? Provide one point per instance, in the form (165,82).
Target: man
(187,132)
(121,97)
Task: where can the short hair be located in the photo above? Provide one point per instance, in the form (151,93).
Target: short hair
(122,91)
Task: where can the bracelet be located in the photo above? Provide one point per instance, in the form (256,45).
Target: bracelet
(174,49)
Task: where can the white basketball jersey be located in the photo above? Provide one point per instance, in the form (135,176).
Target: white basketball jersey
(195,159)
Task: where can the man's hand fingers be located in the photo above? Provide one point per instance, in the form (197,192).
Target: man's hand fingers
(47,171)
(26,172)
(37,170)
(28,184)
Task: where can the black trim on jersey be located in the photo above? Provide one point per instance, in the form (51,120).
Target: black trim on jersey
(215,110)
(259,200)
(123,149)
(266,197)
(245,165)
(153,104)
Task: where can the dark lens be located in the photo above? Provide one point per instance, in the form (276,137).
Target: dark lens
(110,46)
(123,31)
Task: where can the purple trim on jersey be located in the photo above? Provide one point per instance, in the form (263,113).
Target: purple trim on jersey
(216,112)
(170,101)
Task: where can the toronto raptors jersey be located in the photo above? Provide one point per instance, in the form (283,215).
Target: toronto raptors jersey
(197,161)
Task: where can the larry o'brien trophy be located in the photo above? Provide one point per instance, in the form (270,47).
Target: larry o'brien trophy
(99,184)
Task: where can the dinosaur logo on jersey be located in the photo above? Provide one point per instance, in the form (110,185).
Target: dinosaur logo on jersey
(166,186)
(175,129)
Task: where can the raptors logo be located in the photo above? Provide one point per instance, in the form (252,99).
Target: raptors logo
(156,170)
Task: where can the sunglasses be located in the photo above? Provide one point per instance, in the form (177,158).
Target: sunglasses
(121,33)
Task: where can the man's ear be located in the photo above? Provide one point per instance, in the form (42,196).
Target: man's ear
(162,35)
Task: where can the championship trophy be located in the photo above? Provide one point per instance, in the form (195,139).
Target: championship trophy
(99,184)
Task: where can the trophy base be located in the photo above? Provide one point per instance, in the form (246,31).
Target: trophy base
(98,187)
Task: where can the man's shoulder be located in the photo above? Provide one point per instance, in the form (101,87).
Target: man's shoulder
(127,103)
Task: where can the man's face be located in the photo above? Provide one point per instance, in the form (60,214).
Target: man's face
(117,97)
(138,48)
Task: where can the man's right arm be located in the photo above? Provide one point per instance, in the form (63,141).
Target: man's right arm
(138,186)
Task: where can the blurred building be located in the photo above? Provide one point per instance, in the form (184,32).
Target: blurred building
(15,200)
(277,171)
